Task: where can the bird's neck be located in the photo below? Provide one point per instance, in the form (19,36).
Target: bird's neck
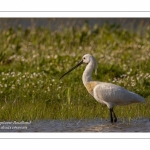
(87,74)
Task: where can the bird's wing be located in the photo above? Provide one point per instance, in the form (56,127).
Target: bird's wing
(112,93)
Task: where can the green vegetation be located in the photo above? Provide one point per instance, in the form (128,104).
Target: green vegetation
(32,61)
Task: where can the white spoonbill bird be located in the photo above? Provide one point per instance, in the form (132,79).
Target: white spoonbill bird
(105,93)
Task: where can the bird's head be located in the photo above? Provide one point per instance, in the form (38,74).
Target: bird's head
(89,58)
(85,59)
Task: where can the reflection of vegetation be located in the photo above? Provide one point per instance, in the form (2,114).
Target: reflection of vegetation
(31,62)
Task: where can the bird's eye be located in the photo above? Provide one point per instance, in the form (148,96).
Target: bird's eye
(83,57)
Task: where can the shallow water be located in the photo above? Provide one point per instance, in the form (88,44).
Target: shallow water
(93,125)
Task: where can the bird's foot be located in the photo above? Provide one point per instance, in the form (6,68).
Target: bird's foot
(115,119)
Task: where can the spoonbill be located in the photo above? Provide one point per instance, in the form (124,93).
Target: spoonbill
(105,93)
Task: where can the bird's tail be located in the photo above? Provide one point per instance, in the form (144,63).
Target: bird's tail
(138,97)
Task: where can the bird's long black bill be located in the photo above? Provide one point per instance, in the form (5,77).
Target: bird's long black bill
(72,68)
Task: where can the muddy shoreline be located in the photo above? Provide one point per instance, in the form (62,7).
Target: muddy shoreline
(95,125)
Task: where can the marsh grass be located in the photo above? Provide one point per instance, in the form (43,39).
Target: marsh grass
(32,61)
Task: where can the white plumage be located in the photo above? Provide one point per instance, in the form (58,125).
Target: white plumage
(112,95)
(106,93)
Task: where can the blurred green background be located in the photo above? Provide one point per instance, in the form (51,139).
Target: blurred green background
(35,52)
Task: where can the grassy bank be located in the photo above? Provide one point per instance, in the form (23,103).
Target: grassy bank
(32,60)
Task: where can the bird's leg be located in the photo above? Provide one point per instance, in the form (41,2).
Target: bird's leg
(115,118)
(111,116)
